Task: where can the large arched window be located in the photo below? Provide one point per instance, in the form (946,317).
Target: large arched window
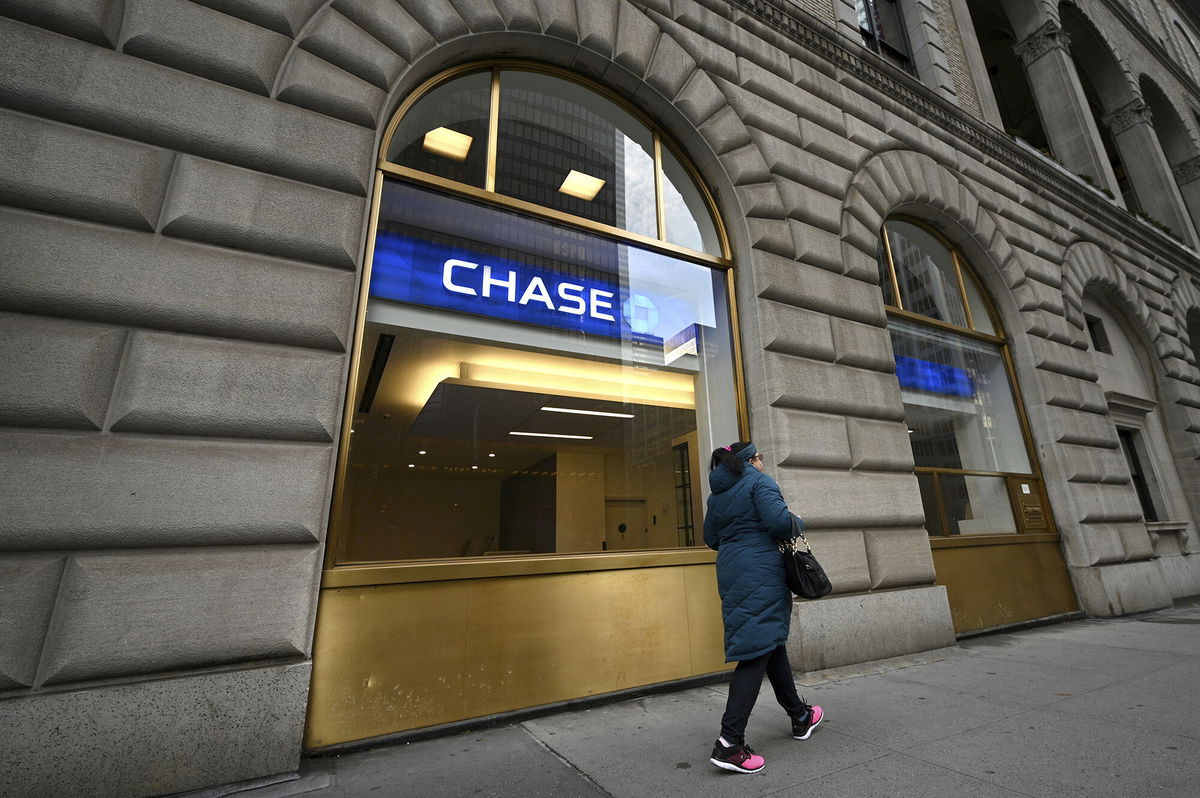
(546,344)
(969,438)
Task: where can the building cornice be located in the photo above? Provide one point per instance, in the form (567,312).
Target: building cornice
(818,38)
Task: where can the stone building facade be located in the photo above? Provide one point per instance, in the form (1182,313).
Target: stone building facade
(188,193)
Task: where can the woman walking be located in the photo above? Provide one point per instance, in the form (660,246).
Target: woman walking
(746,518)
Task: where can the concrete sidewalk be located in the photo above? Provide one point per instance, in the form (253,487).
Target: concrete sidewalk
(1085,708)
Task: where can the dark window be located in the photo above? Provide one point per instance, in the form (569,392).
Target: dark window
(1130,445)
(882,29)
(1096,332)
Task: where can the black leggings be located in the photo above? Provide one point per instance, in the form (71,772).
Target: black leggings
(744,687)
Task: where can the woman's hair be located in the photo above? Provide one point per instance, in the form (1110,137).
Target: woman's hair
(728,456)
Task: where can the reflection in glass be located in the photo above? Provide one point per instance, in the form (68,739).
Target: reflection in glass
(445,133)
(981,317)
(687,219)
(529,389)
(957,401)
(976,505)
(926,274)
(550,127)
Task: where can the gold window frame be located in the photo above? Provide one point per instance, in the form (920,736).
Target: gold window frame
(1000,339)
(337,574)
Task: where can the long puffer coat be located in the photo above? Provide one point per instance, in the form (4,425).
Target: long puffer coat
(746,518)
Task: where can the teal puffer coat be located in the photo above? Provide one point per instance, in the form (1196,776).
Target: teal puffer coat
(746,517)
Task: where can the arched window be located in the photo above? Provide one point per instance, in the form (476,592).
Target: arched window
(965,421)
(545,346)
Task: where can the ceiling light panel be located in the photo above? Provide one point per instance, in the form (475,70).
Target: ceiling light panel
(448,143)
(577,184)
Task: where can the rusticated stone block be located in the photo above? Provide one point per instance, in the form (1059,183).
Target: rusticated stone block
(1106,504)
(1084,429)
(670,67)
(826,388)
(636,39)
(1090,464)
(314,83)
(339,41)
(843,555)
(113,491)
(1071,393)
(862,345)
(56,373)
(204,42)
(794,331)
(286,17)
(842,630)
(1094,544)
(899,557)
(74,172)
(221,204)
(28,585)
(152,611)
(99,273)
(785,280)
(96,21)
(391,24)
(879,445)
(833,499)
(203,386)
(164,736)
(810,440)
(789,161)
(1121,589)
(75,82)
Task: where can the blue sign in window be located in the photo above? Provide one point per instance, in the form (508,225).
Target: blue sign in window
(411,269)
(924,375)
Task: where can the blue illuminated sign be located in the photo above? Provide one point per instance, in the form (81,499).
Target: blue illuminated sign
(923,375)
(409,269)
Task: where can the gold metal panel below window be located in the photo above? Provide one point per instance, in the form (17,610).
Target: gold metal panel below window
(1005,583)
(392,658)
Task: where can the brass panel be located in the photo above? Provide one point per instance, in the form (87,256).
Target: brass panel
(391,658)
(524,565)
(999,584)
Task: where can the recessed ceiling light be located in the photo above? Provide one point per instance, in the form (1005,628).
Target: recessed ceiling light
(448,143)
(586,412)
(412,465)
(577,184)
(421,452)
(552,435)
(474,468)
(491,454)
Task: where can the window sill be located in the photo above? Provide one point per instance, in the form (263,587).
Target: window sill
(492,567)
(962,541)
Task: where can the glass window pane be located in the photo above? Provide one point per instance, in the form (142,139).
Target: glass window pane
(958,403)
(445,133)
(527,388)
(977,505)
(889,26)
(688,221)
(980,315)
(565,147)
(925,271)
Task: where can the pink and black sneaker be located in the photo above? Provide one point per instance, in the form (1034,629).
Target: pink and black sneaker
(737,757)
(802,727)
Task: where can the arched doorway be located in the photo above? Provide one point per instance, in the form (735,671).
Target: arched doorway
(993,536)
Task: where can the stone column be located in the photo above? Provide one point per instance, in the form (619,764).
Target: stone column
(1148,170)
(1187,177)
(1070,127)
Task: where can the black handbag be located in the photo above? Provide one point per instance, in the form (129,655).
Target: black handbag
(805,576)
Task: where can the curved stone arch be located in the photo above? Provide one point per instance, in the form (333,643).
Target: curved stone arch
(1085,265)
(1114,82)
(358,62)
(1173,135)
(1185,298)
(909,182)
